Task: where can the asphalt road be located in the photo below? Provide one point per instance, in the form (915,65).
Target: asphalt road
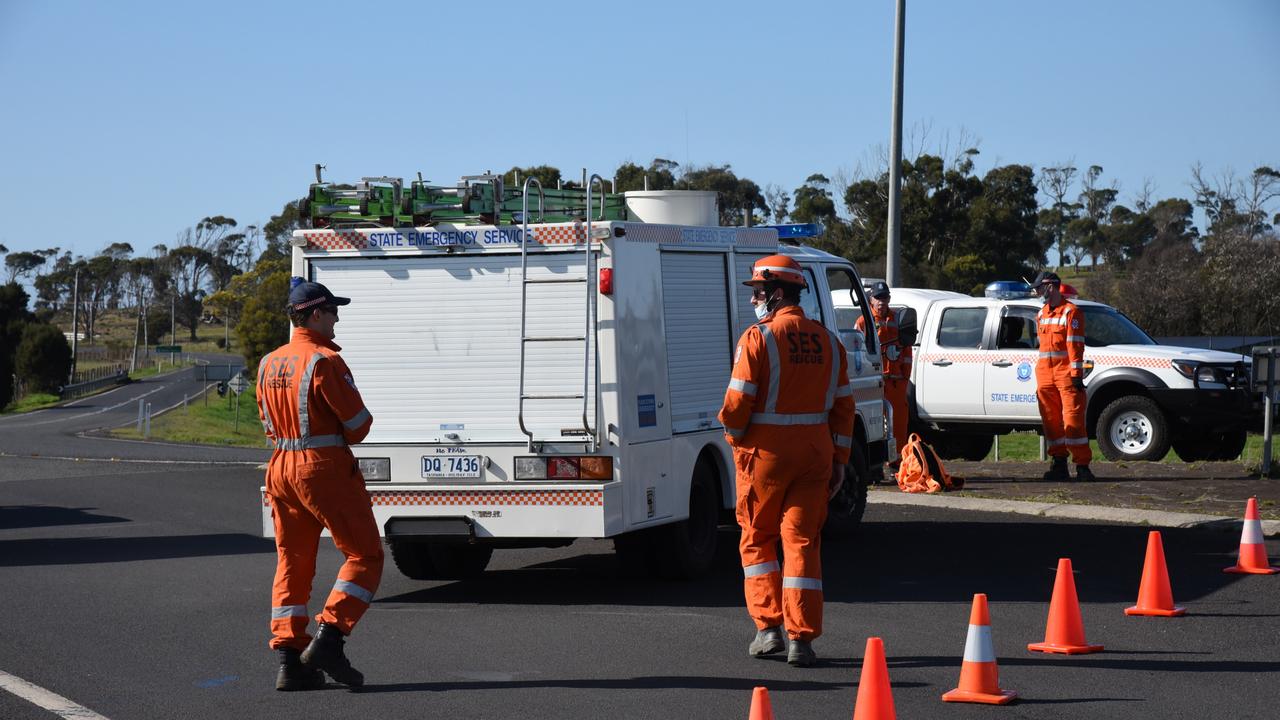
(142,591)
(68,431)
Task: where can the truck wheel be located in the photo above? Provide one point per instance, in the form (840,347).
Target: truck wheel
(845,510)
(412,559)
(421,560)
(1192,447)
(972,447)
(1133,428)
(1229,445)
(455,561)
(687,548)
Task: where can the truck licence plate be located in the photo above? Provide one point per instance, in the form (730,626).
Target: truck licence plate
(450,466)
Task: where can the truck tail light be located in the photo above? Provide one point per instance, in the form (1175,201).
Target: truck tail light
(374,468)
(606,281)
(564,467)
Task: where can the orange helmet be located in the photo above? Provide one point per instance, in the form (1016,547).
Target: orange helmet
(777,268)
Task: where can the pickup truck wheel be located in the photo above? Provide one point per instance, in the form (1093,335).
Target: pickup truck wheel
(687,548)
(845,510)
(972,447)
(1229,445)
(1133,428)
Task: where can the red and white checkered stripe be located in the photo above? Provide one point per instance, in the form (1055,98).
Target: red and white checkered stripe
(335,239)
(559,234)
(487,497)
(1098,360)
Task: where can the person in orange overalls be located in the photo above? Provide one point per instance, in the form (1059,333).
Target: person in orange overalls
(788,413)
(311,412)
(1060,380)
(896,356)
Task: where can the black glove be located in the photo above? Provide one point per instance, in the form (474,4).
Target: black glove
(1077,383)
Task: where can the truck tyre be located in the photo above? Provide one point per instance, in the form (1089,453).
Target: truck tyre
(454,561)
(687,548)
(845,510)
(1133,428)
(972,447)
(412,558)
(1229,445)
(423,560)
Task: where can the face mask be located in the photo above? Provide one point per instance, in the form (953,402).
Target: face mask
(762,309)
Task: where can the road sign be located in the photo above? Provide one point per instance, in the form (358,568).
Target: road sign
(238,384)
(175,349)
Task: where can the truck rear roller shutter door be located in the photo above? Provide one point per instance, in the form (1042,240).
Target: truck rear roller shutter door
(695,306)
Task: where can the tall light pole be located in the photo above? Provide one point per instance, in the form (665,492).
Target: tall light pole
(893,250)
(75,326)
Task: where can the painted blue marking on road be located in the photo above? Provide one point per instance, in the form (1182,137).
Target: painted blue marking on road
(217,682)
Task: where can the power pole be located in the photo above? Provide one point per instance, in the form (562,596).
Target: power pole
(75,326)
(893,249)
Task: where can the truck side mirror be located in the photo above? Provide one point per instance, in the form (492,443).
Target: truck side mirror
(907,330)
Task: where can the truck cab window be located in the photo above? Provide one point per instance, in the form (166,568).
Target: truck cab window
(962,327)
(849,305)
(1018,330)
(809,298)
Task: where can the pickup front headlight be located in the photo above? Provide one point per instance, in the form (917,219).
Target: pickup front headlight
(1200,373)
(1186,369)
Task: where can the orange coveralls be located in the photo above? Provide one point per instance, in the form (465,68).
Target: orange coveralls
(1062,405)
(788,413)
(311,410)
(897,370)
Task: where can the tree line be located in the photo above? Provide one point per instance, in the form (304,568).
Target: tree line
(960,230)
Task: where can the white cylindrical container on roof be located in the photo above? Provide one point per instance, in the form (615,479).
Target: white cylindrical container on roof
(673,207)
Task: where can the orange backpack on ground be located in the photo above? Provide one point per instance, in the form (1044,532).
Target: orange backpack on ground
(921,470)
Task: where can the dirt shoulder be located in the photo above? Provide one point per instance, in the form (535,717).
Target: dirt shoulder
(1215,488)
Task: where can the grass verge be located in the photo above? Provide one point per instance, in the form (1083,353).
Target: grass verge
(211,425)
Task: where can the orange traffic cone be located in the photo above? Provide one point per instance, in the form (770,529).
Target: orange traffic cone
(1064,632)
(979,677)
(1155,596)
(761,709)
(875,699)
(1253,553)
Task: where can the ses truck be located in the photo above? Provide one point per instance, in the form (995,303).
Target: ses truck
(536,382)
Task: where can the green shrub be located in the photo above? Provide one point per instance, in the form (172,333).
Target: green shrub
(44,357)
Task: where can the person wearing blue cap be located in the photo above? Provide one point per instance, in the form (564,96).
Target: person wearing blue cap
(312,411)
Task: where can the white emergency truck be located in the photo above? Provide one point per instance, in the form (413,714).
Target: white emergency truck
(535,383)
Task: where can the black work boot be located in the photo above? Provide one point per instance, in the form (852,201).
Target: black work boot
(293,675)
(1058,471)
(1084,474)
(325,653)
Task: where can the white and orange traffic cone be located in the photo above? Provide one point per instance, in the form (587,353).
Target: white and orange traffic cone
(979,677)
(1253,552)
(1064,632)
(761,708)
(1155,594)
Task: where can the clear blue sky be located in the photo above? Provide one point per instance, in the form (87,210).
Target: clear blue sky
(130,121)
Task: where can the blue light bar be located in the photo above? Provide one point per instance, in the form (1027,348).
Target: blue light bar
(1007,290)
(797,230)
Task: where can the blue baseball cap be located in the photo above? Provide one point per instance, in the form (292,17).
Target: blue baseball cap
(306,294)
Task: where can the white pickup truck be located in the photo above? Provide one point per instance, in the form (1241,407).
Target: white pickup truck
(974,378)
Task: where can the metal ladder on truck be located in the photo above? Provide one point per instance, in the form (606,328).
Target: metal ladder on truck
(589,337)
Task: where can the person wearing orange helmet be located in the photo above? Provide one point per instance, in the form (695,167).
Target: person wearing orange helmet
(1060,380)
(788,413)
(311,412)
(896,356)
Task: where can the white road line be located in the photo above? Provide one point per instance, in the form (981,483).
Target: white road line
(46,699)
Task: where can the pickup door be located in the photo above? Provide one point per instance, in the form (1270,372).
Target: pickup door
(1009,389)
(950,373)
